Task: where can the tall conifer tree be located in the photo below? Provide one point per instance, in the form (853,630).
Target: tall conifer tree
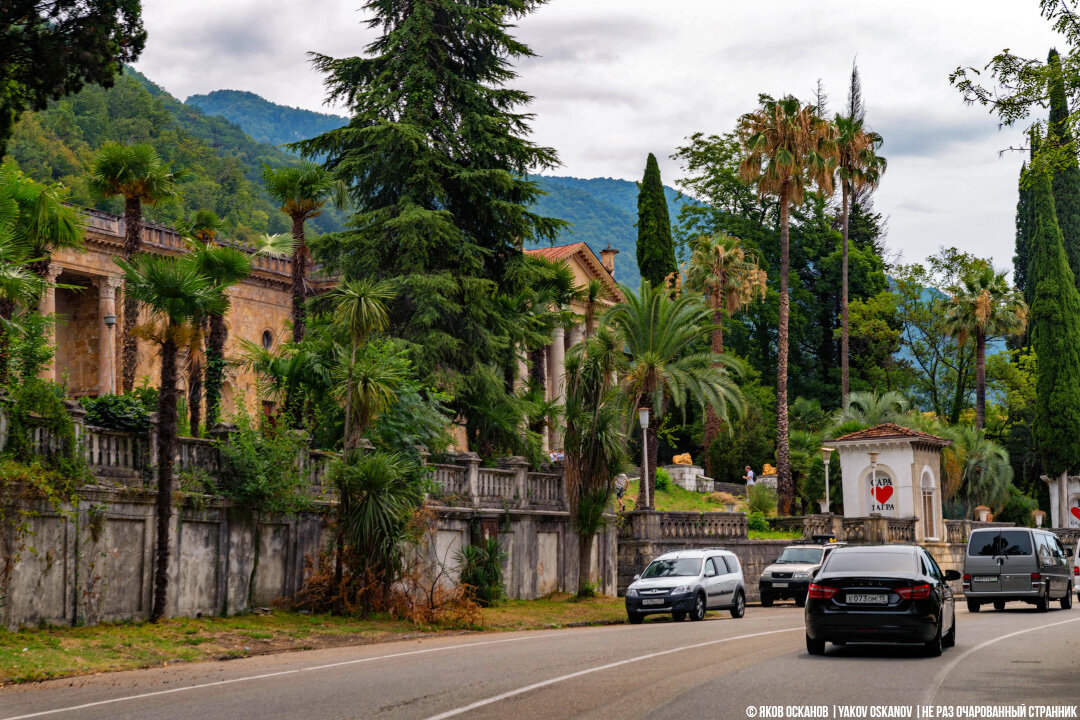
(1024,229)
(1055,320)
(655,248)
(1066,180)
(436,158)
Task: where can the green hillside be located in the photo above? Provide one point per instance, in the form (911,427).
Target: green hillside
(264,121)
(222,165)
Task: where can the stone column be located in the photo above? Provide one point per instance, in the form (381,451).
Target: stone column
(520,466)
(471,461)
(107,333)
(577,334)
(556,369)
(47,308)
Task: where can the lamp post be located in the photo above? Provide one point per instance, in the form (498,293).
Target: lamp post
(826,453)
(110,321)
(873,471)
(643,418)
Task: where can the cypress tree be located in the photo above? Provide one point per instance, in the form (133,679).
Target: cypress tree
(436,156)
(655,248)
(1055,321)
(1022,256)
(1066,180)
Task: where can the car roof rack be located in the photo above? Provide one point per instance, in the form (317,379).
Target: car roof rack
(819,540)
(715,547)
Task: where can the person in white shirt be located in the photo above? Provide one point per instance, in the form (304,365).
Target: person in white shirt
(749,476)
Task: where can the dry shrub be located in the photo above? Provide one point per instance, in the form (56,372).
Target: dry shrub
(722,498)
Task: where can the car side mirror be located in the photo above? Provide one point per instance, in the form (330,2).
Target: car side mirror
(637,577)
(951,575)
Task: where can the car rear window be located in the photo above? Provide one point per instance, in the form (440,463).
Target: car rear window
(854,561)
(1005,542)
(681,567)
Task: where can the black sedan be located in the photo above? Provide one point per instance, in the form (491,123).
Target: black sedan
(881,594)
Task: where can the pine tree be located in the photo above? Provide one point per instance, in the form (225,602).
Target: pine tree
(436,159)
(1055,320)
(655,248)
(1066,180)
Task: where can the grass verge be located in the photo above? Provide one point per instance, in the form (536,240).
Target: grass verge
(39,654)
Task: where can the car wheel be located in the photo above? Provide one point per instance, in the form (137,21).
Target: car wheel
(766,600)
(935,647)
(678,616)
(973,605)
(1066,600)
(800,601)
(635,618)
(815,647)
(1043,603)
(999,604)
(698,613)
(739,608)
(950,638)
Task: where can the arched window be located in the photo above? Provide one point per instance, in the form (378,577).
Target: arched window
(929,514)
(267,339)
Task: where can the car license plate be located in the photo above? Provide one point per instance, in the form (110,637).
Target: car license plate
(653,601)
(868,598)
(776,584)
(985,578)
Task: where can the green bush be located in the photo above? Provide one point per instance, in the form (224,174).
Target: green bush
(481,570)
(127,413)
(761,499)
(756,521)
(259,467)
(663,479)
(1018,508)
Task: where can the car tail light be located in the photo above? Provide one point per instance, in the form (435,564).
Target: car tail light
(1076,570)
(967,577)
(821,592)
(916,592)
(1036,577)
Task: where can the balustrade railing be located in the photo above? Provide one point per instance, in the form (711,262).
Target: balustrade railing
(901,530)
(955,532)
(546,489)
(452,480)
(114,454)
(496,485)
(195,453)
(692,526)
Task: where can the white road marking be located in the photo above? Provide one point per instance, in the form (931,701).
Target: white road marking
(957,660)
(588,671)
(357,661)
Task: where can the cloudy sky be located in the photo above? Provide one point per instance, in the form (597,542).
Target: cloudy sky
(617,79)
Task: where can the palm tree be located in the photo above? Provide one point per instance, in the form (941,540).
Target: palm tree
(141,177)
(730,277)
(20,288)
(368,386)
(859,168)
(224,266)
(301,191)
(659,333)
(591,296)
(984,306)
(787,147)
(595,440)
(176,295)
(869,408)
(43,223)
(987,471)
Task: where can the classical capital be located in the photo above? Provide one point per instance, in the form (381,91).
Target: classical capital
(53,272)
(107,285)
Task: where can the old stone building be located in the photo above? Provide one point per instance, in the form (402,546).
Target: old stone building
(89,313)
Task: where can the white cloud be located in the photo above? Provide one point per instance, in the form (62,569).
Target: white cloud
(616,79)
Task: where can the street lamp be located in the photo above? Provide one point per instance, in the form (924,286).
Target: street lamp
(110,320)
(873,471)
(643,418)
(826,453)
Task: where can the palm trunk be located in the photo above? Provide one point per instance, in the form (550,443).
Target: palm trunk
(712,420)
(980,380)
(195,391)
(129,346)
(215,368)
(166,452)
(784,482)
(299,280)
(7,311)
(844,327)
(585,546)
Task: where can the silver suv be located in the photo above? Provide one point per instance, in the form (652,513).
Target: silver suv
(789,576)
(687,583)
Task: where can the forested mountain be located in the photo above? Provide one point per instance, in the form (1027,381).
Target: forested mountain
(600,210)
(264,121)
(221,164)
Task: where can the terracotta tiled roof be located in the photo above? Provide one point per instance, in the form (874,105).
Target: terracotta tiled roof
(887,431)
(558,252)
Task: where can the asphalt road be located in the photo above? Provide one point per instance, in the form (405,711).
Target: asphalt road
(712,669)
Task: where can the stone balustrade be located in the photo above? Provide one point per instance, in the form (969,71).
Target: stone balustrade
(115,455)
(707,526)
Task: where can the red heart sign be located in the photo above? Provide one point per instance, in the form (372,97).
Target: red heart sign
(883,493)
(1076,512)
